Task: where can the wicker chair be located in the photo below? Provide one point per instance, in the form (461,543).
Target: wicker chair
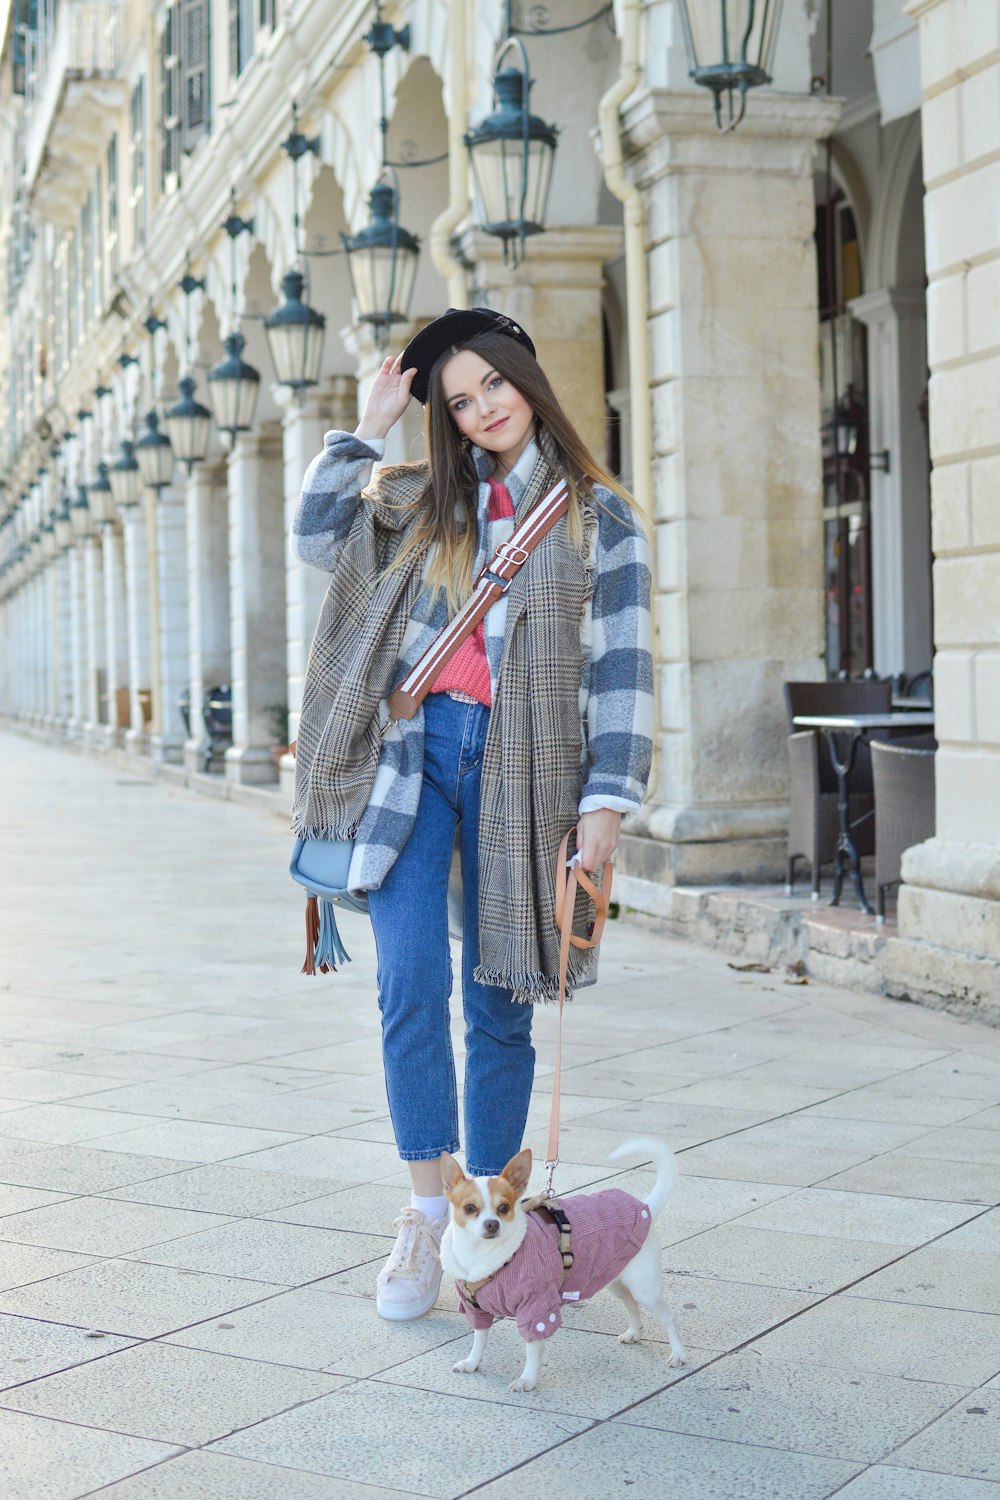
(904,805)
(812,828)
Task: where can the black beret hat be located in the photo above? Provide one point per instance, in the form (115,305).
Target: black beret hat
(456,326)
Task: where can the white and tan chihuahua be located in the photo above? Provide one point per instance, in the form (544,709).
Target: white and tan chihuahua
(508,1262)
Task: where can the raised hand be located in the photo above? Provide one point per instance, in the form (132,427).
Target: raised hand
(387,399)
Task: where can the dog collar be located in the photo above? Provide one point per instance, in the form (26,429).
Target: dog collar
(551,1209)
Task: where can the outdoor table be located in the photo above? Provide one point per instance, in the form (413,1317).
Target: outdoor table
(853,728)
(921,705)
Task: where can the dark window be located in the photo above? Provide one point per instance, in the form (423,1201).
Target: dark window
(137,151)
(196,51)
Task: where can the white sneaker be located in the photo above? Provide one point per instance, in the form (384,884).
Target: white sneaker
(409,1282)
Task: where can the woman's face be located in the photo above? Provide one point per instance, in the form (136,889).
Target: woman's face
(486,408)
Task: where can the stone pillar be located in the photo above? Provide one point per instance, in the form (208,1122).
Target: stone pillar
(406,440)
(137,616)
(305,422)
(165,513)
(77,641)
(97,699)
(948,948)
(257,605)
(114,658)
(557,293)
(207,536)
(901,544)
(63,621)
(736,476)
(50,606)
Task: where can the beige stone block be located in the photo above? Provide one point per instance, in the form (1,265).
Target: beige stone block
(669,487)
(675,767)
(675,696)
(968,795)
(918,970)
(954,37)
(965,406)
(665,402)
(739,732)
(779,274)
(751,450)
(985,478)
(737,552)
(967,601)
(664,347)
(662,261)
(954,700)
(708,341)
(746,624)
(969,926)
(986,675)
(962,219)
(950,508)
(979,97)
(983,302)
(946,318)
(671,555)
(672,625)
(744,205)
(942,142)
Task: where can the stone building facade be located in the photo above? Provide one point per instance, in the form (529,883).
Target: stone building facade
(708,304)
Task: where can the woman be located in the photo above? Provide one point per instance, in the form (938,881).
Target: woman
(540,722)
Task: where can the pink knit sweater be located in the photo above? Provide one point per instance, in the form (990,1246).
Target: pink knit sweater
(468,671)
(606,1231)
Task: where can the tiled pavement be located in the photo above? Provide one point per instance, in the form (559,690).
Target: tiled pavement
(197,1183)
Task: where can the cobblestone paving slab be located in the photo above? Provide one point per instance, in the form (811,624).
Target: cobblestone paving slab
(197,1183)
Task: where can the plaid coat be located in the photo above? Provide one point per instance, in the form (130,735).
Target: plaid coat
(371,633)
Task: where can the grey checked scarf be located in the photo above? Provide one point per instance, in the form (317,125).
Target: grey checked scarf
(374,626)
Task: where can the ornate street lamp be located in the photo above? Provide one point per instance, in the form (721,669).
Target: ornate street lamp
(155,455)
(382,260)
(80,515)
(511,153)
(187,423)
(101,498)
(295,336)
(126,478)
(730,46)
(47,539)
(233,388)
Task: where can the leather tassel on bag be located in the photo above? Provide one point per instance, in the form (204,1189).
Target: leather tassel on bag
(324,945)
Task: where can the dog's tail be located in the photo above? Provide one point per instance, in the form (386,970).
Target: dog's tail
(663,1160)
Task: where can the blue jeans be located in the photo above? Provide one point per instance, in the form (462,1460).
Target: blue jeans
(409,914)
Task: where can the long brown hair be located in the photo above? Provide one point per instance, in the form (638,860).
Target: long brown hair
(450,499)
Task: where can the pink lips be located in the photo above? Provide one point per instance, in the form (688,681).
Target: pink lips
(497,425)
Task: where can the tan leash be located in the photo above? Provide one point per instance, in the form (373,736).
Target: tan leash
(569,876)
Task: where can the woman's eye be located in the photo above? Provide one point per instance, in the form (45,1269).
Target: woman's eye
(497,380)
(457,405)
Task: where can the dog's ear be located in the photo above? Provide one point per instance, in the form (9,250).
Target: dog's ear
(518,1170)
(451,1172)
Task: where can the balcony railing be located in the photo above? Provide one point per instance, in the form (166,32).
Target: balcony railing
(69,62)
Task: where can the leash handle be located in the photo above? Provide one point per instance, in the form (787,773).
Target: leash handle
(569,876)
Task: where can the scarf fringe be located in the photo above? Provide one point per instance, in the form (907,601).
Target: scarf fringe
(529,989)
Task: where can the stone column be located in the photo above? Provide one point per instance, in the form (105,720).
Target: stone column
(736,476)
(98,696)
(257,605)
(557,293)
(305,422)
(948,948)
(50,607)
(901,544)
(115,656)
(208,598)
(63,639)
(165,513)
(77,640)
(137,615)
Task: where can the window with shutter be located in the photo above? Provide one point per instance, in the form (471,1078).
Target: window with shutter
(265,14)
(241,34)
(137,151)
(196,53)
(112,251)
(169,99)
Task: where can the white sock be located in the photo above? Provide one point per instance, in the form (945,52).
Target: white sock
(431,1208)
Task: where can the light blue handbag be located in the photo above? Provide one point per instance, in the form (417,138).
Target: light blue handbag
(322,867)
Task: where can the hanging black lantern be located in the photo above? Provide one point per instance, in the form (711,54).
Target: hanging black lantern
(233,388)
(155,455)
(62,527)
(126,477)
(100,498)
(730,46)
(511,153)
(80,515)
(382,261)
(295,336)
(187,424)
